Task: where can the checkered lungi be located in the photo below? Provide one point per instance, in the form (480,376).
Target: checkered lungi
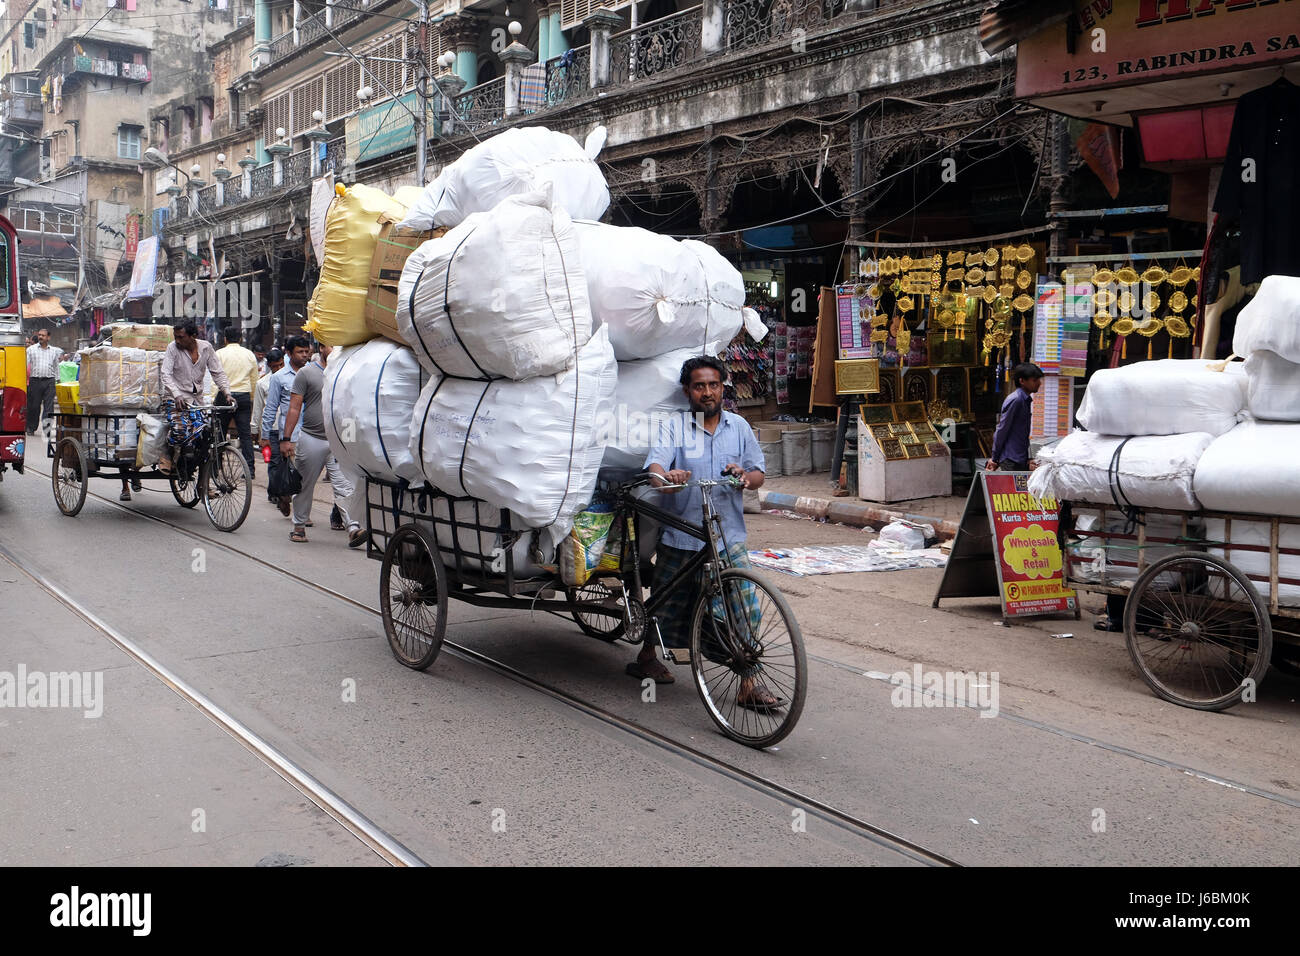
(674,615)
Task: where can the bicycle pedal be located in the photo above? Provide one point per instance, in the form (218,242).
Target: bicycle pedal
(678,655)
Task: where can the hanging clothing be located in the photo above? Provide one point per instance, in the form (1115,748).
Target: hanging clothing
(1260,189)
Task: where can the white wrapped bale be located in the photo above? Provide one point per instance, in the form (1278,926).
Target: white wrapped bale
(648,392)
(370,394)
(1272,387)
(1271,320)
(1151,472)
(1253,469)
(502,294)
(657,294)
(1111,560)
(1164,397)
(1256,563)
(529,447)
(517,161)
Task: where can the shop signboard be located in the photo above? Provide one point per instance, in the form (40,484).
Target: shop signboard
(1126,42)
(1007,546)
(385,129)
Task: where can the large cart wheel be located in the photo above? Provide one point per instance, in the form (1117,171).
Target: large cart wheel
(226,486)
(745,640)
(68,476)
(186,492)
(1198,631)
(413,596)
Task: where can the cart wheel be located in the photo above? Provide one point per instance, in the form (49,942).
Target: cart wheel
(747,635)
(226,487)
(185,492)
(413,597)
(1198,631)
(600,626)
(68,476)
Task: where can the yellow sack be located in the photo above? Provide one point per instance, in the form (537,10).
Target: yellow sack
(336,312)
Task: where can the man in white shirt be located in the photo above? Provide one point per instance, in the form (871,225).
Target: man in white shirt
(241,369)
(42,373)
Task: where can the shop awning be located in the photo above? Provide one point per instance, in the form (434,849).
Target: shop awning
(1006,22)
(44,307)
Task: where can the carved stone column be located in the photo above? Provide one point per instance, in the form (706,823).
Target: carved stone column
(515,57)
(601,24)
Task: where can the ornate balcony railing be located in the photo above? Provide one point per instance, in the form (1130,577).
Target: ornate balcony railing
(568,75)
(336,154)
(661,45)
(482,105)
(263,181)
(234,190)
(208,198)
(749,23)
(297,169)
(282,46)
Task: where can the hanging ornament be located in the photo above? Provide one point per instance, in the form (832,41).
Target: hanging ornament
(1022,303)
(1103,277)
(974,276)
(1155,276)
(1024,279)
(990,257)
(1102,319)
(1151,301)
(1127,276)
(1178,301)
(1180,276)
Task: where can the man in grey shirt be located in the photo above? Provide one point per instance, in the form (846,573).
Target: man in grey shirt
(312,450)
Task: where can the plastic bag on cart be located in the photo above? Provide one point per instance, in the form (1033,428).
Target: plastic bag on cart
(648,392)
(657,294)
(582,551)
(1273,386)
(501,295)
(529,447)
(1257,563)
(370,393)
(1153,471)
(152,441)
(1255,468)
(519,160)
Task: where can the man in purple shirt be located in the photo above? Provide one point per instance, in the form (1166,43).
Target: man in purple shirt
(1011,440)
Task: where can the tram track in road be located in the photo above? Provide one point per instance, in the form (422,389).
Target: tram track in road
(353,820)
(813,807)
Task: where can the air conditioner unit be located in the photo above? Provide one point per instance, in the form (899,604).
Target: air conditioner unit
(242,20)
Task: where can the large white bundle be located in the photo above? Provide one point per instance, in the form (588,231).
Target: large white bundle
(1165,397)
(1272,387)
(1271,320)
(370,393)
(502,294)
(517,161)
(529,447)
(1254,469)
(648,392)
(1258,562)
(657,294)
(1151,472)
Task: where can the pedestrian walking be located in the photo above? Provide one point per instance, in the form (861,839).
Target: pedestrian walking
(297,352)
(274,362)
(42,373)
(241,369)
(706,442)
(1011,439)
(311,450)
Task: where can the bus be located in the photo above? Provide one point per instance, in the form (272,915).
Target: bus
(13,356)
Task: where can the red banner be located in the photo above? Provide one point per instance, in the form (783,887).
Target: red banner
(1030,567)
(132,236)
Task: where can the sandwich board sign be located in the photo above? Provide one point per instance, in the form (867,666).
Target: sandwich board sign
(1007,546)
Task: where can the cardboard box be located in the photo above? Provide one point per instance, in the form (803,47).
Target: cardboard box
(154,338)
(393,248)
(66,393)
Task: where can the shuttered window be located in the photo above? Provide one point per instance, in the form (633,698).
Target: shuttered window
(307,98)
(276,116)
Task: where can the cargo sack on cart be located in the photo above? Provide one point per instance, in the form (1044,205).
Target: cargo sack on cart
(582,552)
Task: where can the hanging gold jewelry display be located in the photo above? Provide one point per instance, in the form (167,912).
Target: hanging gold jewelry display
(956,258)
(906,264)
(1155,276)
(1103,277)
(903,340)
(1025,253)
(1024,279)
(973,259)
(1178,302)
(1180,276)
(989,294)
(936,261)
(1007,272)
(990,257)
(1151,301)
(1148,329)
(1127,276)
(974,275)
(1006,290)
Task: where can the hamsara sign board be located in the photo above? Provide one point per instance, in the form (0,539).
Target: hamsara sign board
(1122,42)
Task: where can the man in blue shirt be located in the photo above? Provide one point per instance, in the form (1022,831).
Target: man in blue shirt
(1011,440)
(297,352)
(706,443)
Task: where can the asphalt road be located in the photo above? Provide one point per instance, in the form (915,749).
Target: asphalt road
(464,765)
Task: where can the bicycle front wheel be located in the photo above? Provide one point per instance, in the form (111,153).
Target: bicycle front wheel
(746,649)
(226,487)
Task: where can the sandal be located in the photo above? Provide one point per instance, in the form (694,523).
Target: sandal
(125,495)
(651,669)
(135,485)
(758,698)
(357,537)
(298,535)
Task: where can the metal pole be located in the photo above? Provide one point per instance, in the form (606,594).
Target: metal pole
(422,96)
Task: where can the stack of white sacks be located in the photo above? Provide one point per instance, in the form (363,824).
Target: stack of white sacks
(1198,435)
(541,342)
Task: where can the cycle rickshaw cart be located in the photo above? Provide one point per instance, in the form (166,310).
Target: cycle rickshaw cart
(1210,600)
(207,468)
(435,546)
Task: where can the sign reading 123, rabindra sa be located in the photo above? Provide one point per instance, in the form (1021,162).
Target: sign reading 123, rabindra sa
(1121,42)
